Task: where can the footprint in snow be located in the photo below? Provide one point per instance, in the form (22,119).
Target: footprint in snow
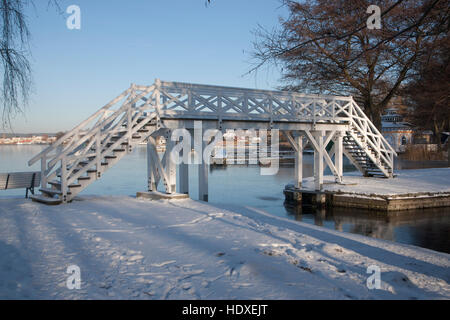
(162,264)
(216,215)
(186,286)
(136,257)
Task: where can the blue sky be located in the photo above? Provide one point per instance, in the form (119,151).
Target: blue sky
(77,71)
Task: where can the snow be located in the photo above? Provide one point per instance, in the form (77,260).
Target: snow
(396,125)
(407,183)
(130,248)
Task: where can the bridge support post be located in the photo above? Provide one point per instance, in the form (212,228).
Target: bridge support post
(203,176)
(163,170)
(184,177)
(338,151)
(63,180)
(170,165)
(318,159)
(296,142)
(298,161)
(43,172)
(151,169)
(183,165)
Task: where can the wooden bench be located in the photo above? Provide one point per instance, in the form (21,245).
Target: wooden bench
(17,180)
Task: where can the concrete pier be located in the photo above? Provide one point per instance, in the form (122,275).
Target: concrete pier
(371,202)
(412,189)
(301,196)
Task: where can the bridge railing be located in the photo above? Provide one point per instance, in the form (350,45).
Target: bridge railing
(87,139)
(183,99)
(372,136)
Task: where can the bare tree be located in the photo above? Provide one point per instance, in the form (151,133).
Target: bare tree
(428,93)
(326,47)
(14,53)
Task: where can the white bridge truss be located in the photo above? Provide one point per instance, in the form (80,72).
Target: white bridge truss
(142,113)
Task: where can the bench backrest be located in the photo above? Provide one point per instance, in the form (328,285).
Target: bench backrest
(15,180)
(3,178)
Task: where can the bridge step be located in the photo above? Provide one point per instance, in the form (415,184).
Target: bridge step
(115,138)
(380,175)
(374,168)
(51,192)
(73,172)
(46,200)
(58,184)
(114,150)
(362,156)
(109,144)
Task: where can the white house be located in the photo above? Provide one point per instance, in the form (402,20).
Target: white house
(397,132)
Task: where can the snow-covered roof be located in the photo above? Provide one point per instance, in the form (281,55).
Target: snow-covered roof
(395,125)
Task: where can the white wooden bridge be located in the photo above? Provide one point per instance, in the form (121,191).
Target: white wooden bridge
(142,113)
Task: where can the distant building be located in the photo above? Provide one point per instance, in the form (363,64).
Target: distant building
(32,139)
(397,132)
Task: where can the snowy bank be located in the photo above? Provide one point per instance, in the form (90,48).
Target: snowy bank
(128,248)
(410,189)
(406,182)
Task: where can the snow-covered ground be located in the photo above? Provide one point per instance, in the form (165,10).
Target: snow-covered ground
(128,248)
(417,181)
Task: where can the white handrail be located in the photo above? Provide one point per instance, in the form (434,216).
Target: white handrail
(372,126)
(76,129)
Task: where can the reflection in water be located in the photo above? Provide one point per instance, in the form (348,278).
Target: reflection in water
(428,228)
(242,185)
(402,164)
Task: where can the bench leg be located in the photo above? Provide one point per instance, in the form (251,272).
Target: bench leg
(31,190)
